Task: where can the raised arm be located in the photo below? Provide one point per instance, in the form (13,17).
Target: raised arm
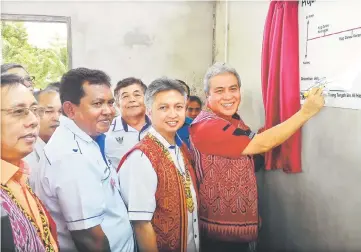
(219,137)
(278,134)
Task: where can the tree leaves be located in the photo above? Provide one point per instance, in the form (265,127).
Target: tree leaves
(46,64)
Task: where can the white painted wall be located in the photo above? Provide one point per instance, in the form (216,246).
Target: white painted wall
(245,22)
(134,38)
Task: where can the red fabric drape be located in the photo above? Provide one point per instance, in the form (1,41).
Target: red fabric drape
(280,80)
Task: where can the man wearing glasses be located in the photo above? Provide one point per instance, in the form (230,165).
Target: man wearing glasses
(76,181)
(25,223)
(50,111)
(12,68)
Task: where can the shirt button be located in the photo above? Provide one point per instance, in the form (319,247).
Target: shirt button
(195,220)
(195,236)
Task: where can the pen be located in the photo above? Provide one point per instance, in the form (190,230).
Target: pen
(305,94)
(319,84)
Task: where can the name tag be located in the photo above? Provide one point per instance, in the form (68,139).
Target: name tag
(112,183)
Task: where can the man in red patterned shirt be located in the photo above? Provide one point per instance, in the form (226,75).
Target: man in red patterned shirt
(222,146)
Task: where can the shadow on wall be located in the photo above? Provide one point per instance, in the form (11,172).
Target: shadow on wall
(137,38)
(265,243)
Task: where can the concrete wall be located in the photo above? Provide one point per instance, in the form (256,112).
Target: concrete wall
(143,39)
(244,51)
(318,210)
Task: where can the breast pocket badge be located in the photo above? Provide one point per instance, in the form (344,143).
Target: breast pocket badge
(119,140)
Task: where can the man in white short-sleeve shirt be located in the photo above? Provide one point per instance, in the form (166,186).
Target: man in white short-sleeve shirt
(50,106)
(132,124)
(76,183)
(149,173)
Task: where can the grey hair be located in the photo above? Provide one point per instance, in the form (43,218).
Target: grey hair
(161,85)
(47,90)
(217,69)
(6,67)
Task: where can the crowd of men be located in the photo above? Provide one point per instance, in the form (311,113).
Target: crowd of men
(138,168)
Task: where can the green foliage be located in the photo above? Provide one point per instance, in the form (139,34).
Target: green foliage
(46,64)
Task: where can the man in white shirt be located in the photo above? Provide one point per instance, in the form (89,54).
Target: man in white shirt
(49,102)
(132,124)
(157,180)
(76,182)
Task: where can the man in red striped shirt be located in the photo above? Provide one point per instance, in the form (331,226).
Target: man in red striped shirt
(222,146)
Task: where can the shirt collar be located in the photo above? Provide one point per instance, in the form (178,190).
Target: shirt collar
(147,124)
(188,121)
(234,116)
(70,125)
(124,124)
(100,140)
(155,133)
(120,124)
(9,170)
(39,147)
(40,144)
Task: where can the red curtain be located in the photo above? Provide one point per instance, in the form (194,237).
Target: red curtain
(280,80)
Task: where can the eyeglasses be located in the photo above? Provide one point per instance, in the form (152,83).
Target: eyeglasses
(30,78)
(23,112)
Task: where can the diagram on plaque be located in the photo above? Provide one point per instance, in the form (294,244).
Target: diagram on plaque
(330,50)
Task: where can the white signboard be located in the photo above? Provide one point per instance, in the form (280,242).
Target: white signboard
(330,48)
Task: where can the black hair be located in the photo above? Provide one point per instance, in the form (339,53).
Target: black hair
(48,89)
(11,80)
(54,85)
(193,98)
(185,86)
(127,82)
(161,85)
(71,84)
(6,67)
